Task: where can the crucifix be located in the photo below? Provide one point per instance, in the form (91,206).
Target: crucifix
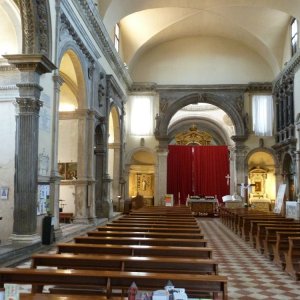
(227,178)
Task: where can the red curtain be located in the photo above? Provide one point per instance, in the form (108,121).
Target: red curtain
(197,170)
(179,173)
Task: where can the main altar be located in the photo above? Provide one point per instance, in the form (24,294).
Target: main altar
(203,206)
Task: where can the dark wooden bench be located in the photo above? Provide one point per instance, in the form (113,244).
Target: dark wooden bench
(110,281)
(244,223)
(136,250)
(65,217)
(126,263)
(141,241)
(157,220)
(145,234)
(152,225)
(39,296)
(292,258)
(253,227)
(148,229)
(271,238)
(281,246)
(261,232)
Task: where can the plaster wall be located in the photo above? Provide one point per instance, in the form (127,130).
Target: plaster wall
(67,141)
(297,98)
(7,165)
(205,60)
(67,193)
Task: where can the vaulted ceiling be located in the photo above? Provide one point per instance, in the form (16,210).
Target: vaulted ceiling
(260,25)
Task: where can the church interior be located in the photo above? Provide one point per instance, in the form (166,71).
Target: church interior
(112,105)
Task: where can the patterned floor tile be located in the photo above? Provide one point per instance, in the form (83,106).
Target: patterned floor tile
(251,275)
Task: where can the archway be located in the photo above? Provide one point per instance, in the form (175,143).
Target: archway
(72,134)
(141,178)
(261,175)
(114,153)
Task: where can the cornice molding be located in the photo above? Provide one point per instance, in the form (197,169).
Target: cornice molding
(92,19)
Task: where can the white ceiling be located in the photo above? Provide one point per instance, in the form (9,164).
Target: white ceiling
(260,25)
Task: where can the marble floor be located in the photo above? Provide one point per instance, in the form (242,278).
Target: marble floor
(250,274)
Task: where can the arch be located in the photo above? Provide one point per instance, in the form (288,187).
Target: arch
(206,124)
(36,25)
(114,151)
(219,101)
(74,77)
(140,166)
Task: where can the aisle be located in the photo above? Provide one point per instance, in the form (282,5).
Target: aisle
(250,274)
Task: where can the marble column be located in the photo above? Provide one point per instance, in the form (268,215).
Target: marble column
(107,207)
(27,132)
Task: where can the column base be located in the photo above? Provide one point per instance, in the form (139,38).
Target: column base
(24,238)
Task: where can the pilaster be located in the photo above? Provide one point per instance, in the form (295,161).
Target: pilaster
(161,176)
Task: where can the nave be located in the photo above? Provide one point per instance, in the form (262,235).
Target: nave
(250,275)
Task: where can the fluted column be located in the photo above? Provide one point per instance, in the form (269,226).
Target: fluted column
(27,132)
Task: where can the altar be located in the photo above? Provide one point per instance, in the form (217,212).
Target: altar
(207,206)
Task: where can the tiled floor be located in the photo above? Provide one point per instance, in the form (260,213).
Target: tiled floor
(250,274)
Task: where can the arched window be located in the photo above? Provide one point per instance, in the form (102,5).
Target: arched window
(294,36)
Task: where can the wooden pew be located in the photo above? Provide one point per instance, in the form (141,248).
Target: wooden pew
(145,234)
(126,263)
(110,281)
(249,227)
(151,225)
(39,296)
(65,217)
(136,250)
(270,237)
(253,227)
(155,219)
(292,258)
(261,232)
(158,222)
(148,229)
(141,241)
(281,246)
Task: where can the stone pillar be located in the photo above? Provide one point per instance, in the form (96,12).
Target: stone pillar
(27,132)
(54,175)
(116,172)
(241,170)
(107,206)
(161,175)
(81,185)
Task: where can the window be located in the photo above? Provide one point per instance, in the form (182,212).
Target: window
(141,120)
(294,36)
(262,115)
(117,36)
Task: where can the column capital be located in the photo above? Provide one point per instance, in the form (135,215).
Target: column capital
(29,105)
(31,62)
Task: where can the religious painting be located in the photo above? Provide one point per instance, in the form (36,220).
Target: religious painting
(62,170)
(68,171)
(257,186)
(71,171)
(145,185)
